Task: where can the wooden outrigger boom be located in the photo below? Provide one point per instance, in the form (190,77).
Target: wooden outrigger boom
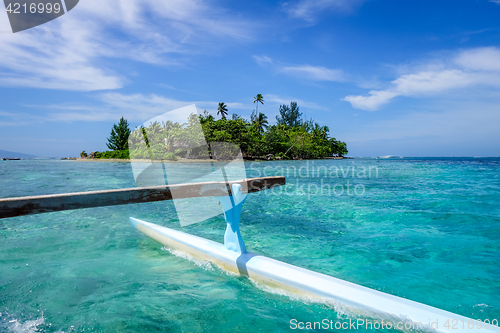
(18,206)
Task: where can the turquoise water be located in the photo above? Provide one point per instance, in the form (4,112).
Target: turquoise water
(423,229)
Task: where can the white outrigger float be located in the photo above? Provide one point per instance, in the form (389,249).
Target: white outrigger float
(232,256)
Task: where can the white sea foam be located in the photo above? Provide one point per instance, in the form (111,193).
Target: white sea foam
(206,265)
(29,326)
(341,309)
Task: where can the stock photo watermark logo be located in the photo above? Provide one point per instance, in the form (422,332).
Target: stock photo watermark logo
(412,326)
(312,180)
(25,15)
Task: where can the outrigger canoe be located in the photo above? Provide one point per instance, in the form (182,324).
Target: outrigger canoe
(233,256)
(365,302)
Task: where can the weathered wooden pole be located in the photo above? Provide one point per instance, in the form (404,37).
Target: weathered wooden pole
(10,207)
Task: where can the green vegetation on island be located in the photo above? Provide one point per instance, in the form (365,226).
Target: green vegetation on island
(291,138)
(117,142)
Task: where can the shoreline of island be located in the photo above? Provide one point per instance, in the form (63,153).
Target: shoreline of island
(187,160)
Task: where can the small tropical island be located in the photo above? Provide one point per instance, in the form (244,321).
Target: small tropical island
(292,138)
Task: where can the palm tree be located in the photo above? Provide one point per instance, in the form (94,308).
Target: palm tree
(168,125)
(154,128)
(222,110)
(261,122)
(257,99)
(324,132)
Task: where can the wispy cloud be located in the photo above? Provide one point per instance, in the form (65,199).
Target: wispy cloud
(263,60)
(286,100)
(137,108)
(495,1)
(468,68)
(315,73)
(308,10)
(73,52)
(14,119)
(482,59)
(134,107)
(306,72)
(431,133)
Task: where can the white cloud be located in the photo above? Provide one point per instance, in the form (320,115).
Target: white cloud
(455,128)
(10,123)
(495,1)
(483,59)
(372,102)
(138,108)
(316,73)
(239,106)
(308,72)
(14,119)
(134,107)
(53,61)
(263,60)
(286,100)
(70,53)
(309,9)
(478,66)
(432,82)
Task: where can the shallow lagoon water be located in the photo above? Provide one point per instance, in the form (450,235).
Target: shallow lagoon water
(423,229)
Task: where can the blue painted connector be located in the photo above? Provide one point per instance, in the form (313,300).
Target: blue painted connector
(232,210)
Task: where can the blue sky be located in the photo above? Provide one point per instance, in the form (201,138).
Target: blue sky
(389,77)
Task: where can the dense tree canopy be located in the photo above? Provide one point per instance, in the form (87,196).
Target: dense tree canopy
(291,138)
